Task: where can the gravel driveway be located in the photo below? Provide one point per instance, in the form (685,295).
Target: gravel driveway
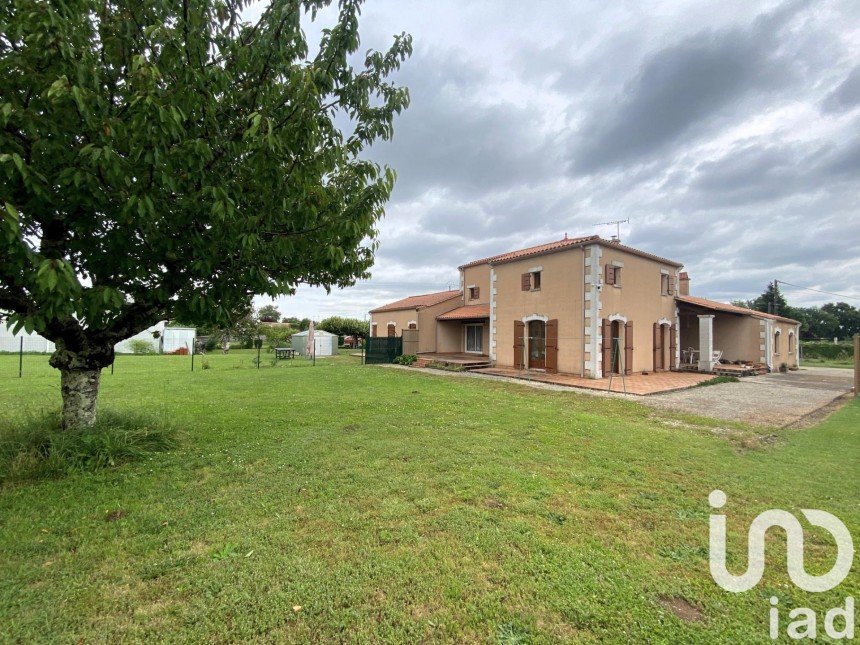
(769,400)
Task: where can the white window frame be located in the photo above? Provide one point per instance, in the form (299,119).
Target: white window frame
(466,338)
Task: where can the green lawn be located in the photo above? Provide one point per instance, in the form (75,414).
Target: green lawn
(824,362)
(342,502)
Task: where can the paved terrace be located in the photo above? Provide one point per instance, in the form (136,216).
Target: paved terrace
(639,384)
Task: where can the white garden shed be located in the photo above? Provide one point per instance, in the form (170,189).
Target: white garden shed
(160,338)
(326,343)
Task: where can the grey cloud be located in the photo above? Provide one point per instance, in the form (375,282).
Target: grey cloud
(679,87)
(452,138)
(846,96)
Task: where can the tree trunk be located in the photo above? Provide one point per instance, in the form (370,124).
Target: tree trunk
(80,391)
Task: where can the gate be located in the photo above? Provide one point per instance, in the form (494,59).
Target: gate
(410,341)
(383,349)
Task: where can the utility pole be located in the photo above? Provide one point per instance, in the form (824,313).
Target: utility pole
(775,295)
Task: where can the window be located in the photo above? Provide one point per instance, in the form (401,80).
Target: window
(530,281)
(791,342)
(475,339)
(413,325)
(613,275)
(391,330)
(664,284)
(474,293)
(776,342)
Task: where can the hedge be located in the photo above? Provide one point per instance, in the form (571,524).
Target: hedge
(828,351)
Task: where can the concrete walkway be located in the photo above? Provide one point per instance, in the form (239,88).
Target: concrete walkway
(769,400)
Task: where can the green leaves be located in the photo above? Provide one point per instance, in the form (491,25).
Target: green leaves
(160,163)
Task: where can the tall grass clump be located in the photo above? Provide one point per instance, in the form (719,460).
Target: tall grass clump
(38,448)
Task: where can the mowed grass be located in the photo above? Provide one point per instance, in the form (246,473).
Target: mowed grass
(342,502)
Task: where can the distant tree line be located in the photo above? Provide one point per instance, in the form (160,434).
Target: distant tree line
(833,320)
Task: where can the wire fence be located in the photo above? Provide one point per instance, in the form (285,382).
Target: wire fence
(26,365)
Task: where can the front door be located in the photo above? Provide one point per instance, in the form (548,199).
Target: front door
(617,346)
(537,344)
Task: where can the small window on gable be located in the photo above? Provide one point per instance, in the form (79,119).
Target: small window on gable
(474,293)
(613,275)
(531,281)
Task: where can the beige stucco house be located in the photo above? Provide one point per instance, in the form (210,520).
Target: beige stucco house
(584,306)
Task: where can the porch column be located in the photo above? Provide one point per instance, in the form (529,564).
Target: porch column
(706,342)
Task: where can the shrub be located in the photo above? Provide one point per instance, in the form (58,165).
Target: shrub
(37,447)
(278,337)
(139,346)
(448,367)
(717,380)
(407,359)
(827,351)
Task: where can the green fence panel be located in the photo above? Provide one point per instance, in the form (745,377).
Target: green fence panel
(382,349)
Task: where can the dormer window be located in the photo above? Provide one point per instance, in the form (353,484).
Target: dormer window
(474,293)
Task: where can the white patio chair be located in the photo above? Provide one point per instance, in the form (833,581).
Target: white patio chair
(716,356)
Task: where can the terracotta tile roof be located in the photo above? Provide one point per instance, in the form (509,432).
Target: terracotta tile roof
(467,312)
(533,250)
(733,309)
(560,245)
(417,302)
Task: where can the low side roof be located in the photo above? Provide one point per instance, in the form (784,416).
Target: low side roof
(417,302)
(733,309)
(560,245)
(467,312)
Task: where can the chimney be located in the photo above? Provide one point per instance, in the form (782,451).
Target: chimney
(615,240)
(684,283)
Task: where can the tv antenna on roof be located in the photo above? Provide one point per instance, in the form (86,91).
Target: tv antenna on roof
(617,223)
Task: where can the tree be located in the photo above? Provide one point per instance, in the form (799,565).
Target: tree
(345,326)
(771,301)
(268,313)
(168,159)
(848,318)
(815,323)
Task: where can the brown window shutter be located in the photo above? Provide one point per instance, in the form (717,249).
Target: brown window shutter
(552,346)
(527,282)
(656,343)
(628,347)
(610,274)
(519,344)
(671,285)
(673,345)
(391,331)
(477,293)
(607,347)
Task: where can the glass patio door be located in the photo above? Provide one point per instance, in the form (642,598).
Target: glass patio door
(475,339)
(537,344)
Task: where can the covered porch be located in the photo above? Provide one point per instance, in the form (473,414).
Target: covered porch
(720,338)
(464,332)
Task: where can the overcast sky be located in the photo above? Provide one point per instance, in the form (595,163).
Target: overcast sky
(729,134)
